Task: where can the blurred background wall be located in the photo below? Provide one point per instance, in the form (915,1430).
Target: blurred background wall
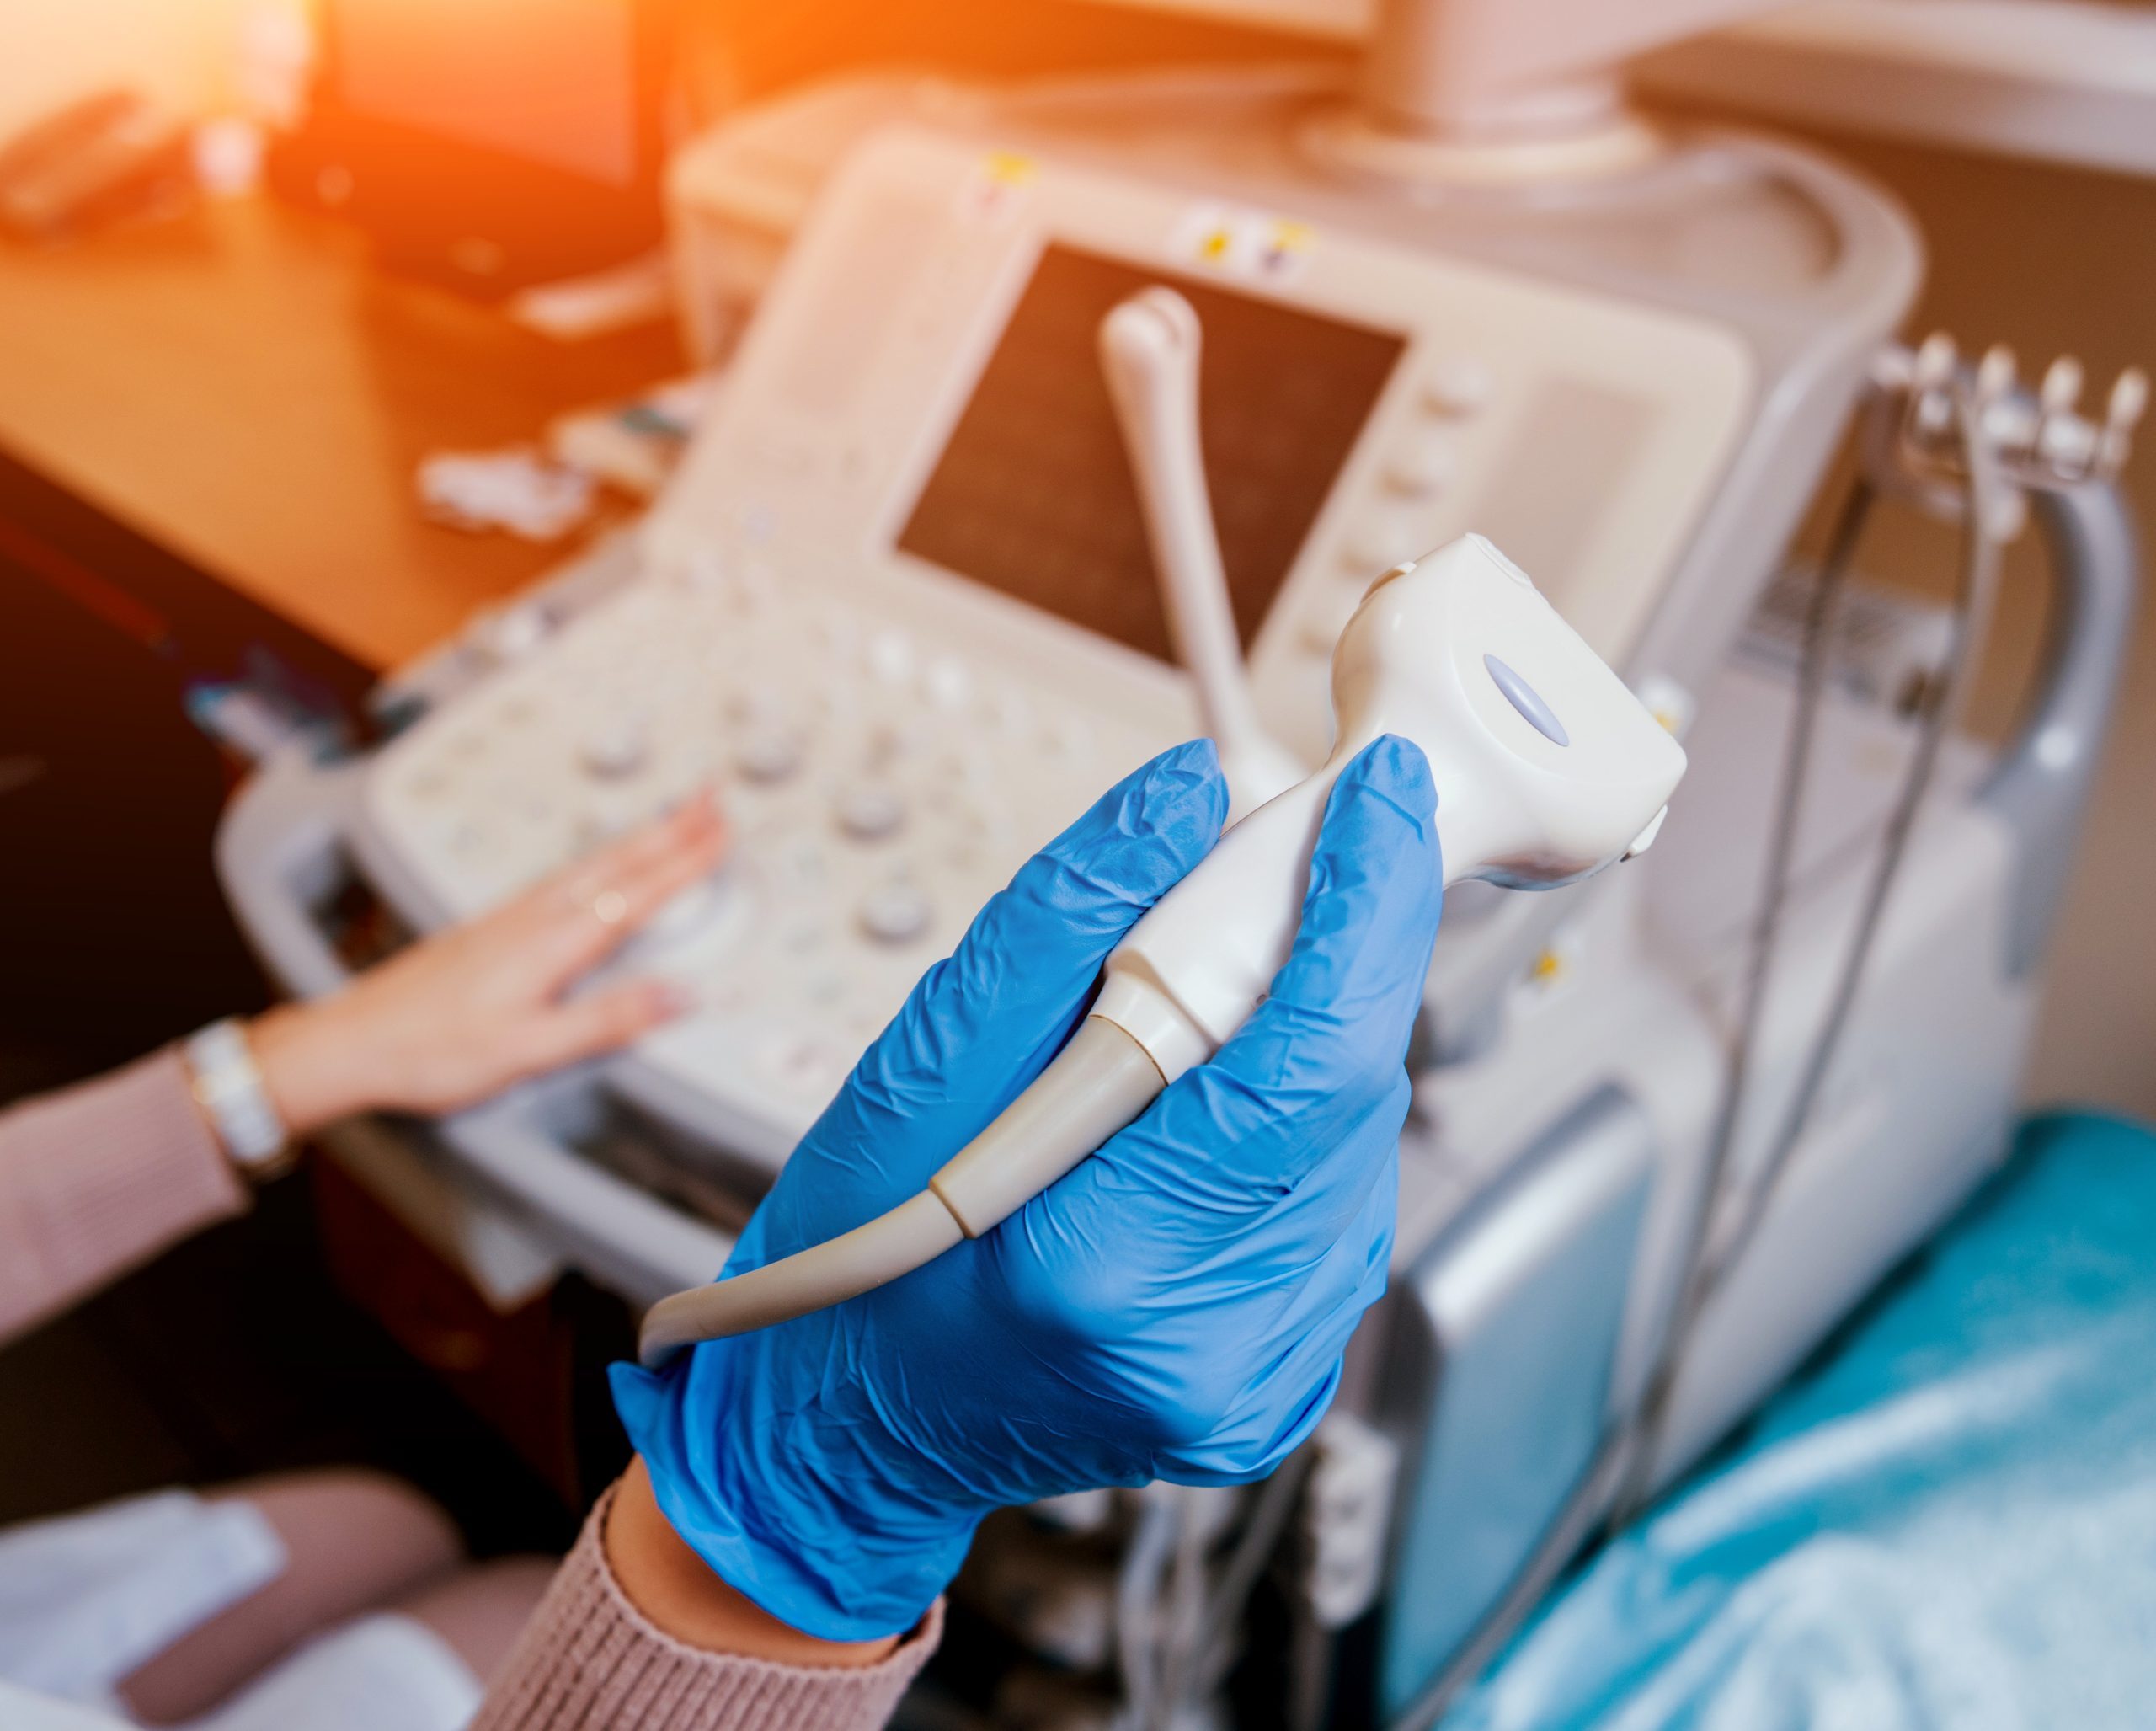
(52,50)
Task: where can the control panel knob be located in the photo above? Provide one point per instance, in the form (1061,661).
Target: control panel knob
(890,655)
(949,683)
(1460,385)
(896,913)
(507,634)
(1421,467)
(769,755)
(616,748)
(871,810)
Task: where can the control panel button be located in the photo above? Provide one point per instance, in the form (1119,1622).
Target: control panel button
(896,913)
(1421,467)
(950,682)
(1459,386)
(616,749)
(890,655)
(871,810)
(769,755)
(507,634)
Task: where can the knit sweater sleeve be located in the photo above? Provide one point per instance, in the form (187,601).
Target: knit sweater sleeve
(97,1178)
(589,1659)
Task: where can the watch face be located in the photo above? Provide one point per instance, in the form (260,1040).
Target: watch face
(229,1090)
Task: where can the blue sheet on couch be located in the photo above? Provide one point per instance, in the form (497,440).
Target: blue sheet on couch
(1949,1521)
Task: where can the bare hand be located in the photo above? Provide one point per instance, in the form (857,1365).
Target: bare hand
(469,1011)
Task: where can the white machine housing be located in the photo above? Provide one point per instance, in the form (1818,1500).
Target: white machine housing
(897,737)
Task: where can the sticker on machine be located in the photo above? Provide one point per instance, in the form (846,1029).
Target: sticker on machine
(998,185)
(1238,241)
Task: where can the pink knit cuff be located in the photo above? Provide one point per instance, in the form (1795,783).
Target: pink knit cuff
(97,1179)
(588,1659)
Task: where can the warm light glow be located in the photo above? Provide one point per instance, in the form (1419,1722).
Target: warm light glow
(547,80)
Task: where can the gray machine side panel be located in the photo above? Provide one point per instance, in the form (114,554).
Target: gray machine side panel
(1502,1348)
(2042,784)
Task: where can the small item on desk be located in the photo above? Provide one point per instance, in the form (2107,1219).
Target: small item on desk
(635,444)
(520,491)
(638,292)
(111,157)
(228,153)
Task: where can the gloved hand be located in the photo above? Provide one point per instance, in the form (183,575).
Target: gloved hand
(1175,1308)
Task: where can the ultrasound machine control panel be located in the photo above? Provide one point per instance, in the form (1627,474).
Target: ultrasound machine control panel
(898,600)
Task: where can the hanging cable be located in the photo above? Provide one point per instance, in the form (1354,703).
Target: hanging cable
(1986,507)
(1724,1223)
(1762,942)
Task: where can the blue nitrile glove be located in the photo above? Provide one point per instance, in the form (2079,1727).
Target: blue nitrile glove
(1175,1308)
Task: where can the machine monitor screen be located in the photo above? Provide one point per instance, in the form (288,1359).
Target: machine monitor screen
(549,81)
(1033,494)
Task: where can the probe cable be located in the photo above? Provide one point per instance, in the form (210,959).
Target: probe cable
(1714,1249)
(1986,503)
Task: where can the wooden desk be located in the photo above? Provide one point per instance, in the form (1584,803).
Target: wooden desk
(208,435)
(243,389)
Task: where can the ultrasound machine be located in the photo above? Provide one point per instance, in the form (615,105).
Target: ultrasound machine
(898,602)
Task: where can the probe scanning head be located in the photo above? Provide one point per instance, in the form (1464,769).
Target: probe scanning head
(1548,767)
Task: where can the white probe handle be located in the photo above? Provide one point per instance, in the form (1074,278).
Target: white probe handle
(1149,351)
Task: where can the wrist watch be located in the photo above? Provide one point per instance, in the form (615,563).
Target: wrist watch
(228,1086)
